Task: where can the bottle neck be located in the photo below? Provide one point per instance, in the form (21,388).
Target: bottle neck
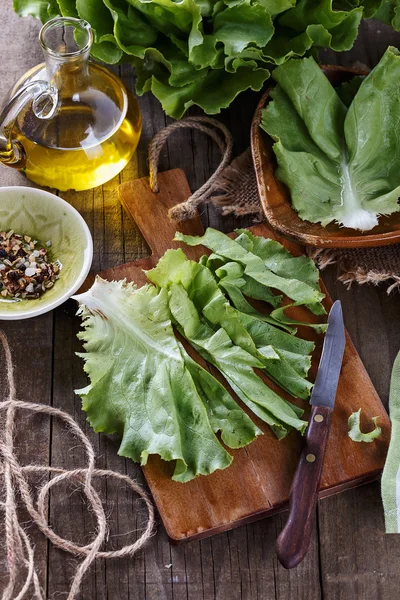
(70,74)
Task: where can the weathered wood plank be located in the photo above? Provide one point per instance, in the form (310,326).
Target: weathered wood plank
(31,342)
(357,559)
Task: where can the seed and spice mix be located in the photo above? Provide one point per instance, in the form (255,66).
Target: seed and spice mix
(24,268)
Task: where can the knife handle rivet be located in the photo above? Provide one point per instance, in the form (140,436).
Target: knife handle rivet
(310,458)
(318,418)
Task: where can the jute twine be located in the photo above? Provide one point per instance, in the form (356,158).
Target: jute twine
(233,187)
(221,136)
(20,552)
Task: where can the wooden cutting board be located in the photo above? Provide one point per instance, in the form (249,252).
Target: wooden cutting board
(257,483)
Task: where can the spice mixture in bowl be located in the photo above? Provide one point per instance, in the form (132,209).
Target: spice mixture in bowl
(45,252)
(25,269)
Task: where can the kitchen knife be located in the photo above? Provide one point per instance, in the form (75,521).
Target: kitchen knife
(293,542)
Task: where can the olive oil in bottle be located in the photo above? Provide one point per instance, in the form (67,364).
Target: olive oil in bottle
(94,124)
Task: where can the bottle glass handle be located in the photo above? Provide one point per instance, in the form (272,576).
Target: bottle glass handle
(44,98)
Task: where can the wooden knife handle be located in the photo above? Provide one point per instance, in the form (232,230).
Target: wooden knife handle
(293,542)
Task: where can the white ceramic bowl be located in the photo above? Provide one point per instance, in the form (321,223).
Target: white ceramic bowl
(44,216)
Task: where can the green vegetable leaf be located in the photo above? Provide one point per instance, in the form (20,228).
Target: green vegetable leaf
(340,165)
(369,7)
(355,432)
(215,91)
(279,315)
(140,386)
(389,13)
(41,9)
(237,429)
(296,350)
(234,363)
(132,33)
(232,274)
(68,8)
(210,302)
(279,260)
(233,44)
(342,26)
(105,45)
(254,266)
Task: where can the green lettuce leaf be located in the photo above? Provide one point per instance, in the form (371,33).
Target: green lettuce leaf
(210,302)
(225,416)
(355,432)
(141,384)
(369,7)
(338,28)
(279,315)
(41,9)
(68,8)
(279,260)
(234,363)
(340,165)
(105,45)
(132,32)
(215,91)
(232,43)
(254,266)
(389,12)
(296,350)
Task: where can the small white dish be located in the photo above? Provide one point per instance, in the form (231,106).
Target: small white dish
(44,216)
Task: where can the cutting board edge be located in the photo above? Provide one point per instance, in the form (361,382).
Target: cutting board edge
(274,510)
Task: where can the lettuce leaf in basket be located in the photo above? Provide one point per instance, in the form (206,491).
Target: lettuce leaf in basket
(145,387)
(340,164)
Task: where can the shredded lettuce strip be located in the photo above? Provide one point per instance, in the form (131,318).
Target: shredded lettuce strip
(355,432)
(258,269)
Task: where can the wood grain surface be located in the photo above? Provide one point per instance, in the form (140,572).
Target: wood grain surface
(349,559)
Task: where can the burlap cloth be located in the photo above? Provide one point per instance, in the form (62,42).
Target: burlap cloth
(238,195)
(233,187)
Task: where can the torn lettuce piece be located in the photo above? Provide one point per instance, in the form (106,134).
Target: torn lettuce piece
(340,164)
(279,260)
(210,302)
(239,301)
(233,362)
(233,286)
(278,314)
(355,432)
(296,350)
(140,386)
(205,294)
(236,427)
(222,244)
(233,273)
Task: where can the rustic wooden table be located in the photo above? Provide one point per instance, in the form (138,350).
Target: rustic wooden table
(350,557)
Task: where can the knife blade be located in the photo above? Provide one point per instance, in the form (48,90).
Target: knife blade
(294,540)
